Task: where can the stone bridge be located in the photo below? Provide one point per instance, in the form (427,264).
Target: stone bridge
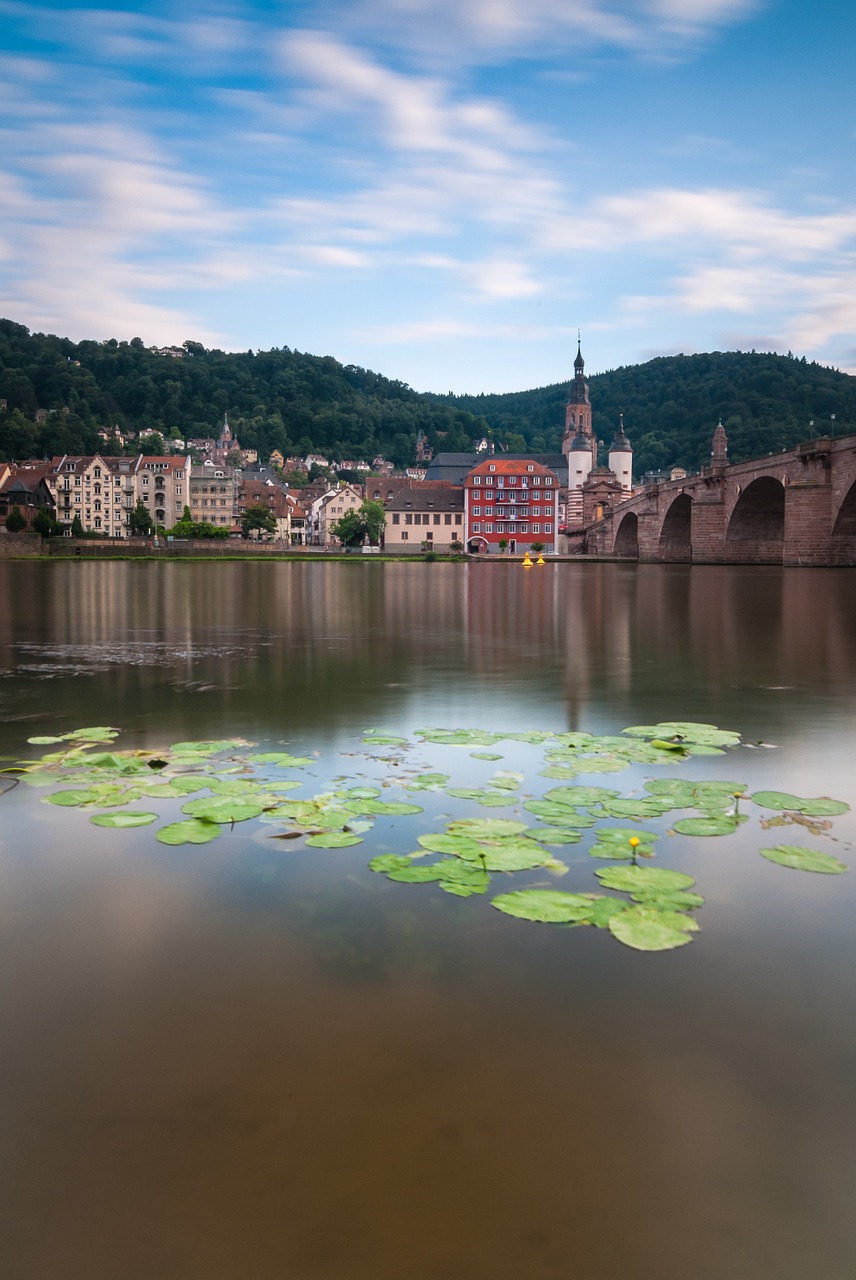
(791,508)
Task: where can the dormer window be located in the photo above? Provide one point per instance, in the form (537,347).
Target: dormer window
(493,466)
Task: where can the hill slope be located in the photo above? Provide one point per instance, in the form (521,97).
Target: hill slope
(302,403)
(672,404)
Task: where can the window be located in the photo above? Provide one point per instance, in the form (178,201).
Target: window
(408,519)
(489,480)
(501,481)
(548,479)
(145,479)
(536,528)
(447,519)
(530,467)
(493,466)
(537,480)
(548,528)
(97,473)
(488,511)
(476,479)
(417,519)
(512,479)
(476,511)
(457,519)
(488,528)
(436,519)
(477,527)
(404,536)
(396,518)
(429,536)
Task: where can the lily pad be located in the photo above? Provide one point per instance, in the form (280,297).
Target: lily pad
(124,818)
(222,808)
(647,929)
(459,846)
(712,824)
(485,755)
(427,782)
(281,758)
(333,839)
(383,807)
(643,879)
(555,835)
(582,796)
(486,828)
(190,831)
(546,906)
(513,854)
(801,859)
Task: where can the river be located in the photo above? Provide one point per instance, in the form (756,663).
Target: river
(252,1059)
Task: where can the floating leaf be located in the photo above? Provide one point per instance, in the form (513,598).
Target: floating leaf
(559,771)
(459,846)
(333,840)
(643,879)
(386,862)
(484,755)
(712,824)
(281,758)
(190,831)
(823,807)
(45,741)
(546,906)
(800,859)
(222,808)
(554,835)
(614,842)
(513,854)
(583,796)
(601,764)
(125,818)
(383,807)
(636,807)
(101,733)
(486,828)
(677,900)
(460,737)
(647,929)
(427,782)
(386,740)
(362,793)
(506,780)
(170,790)
(559,814)
(72,798)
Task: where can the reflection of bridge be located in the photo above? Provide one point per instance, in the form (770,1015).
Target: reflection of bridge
(792,508)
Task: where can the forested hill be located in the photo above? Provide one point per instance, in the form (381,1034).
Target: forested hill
(301,404)
(672,404)
(279,399)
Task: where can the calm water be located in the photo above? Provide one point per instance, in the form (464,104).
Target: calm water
(251,1061)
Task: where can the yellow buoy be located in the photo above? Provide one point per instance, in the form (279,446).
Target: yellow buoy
(527,563)
(540,559)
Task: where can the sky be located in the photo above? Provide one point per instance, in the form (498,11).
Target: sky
(444,191)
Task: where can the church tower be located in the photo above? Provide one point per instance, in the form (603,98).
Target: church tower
(578,410)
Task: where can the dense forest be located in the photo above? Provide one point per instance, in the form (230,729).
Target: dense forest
(278,399)
(302,403)
(671,406)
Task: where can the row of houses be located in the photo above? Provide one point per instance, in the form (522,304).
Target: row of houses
(502,502)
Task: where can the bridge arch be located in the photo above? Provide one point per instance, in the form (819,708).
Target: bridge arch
(627,537)
(757,520)
(676,531)
(845,521)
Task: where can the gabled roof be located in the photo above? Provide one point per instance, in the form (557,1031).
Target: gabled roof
(505,466)
(447,498)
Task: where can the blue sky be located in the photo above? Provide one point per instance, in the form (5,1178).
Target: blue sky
(441,190)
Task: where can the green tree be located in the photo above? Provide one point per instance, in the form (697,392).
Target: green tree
(350,530)
(365,524)
(77,530)
(140,522)
(43,523)
(15,521)
(258,518)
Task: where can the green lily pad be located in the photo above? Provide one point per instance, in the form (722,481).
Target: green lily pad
(601,764)
(824,807)
(486,828)
(559,772)
(821,807)
(459,846)
(801,859)
(582,796)
(377,808)
(44,741)
(362,793)
(546,906)
(460,737)
(123,819)
(222,809)
(677,900)
(281,758)
(71,799)
(647,929)
(485,755)
(190,831)
(386,862)
(643,879)
(575,741)
(561,815)
(101,733)
(712,824)
(636,807)
(333,839)
(513,854)
(427,782)
(555,835)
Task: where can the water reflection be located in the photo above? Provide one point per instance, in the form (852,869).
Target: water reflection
(248,1060)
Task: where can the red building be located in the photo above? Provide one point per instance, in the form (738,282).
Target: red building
(513,500)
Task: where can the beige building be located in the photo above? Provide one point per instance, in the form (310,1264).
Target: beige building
(329,508)
(213,494)
(424,519)
(102,492)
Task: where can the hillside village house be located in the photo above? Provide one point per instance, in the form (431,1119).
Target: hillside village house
(430,519)
(511,500)
(213,494)
(327,509)
(262,491)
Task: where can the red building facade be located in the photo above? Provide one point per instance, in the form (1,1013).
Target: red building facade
(515,501)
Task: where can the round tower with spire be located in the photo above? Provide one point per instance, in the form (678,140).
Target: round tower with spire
(621,458)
